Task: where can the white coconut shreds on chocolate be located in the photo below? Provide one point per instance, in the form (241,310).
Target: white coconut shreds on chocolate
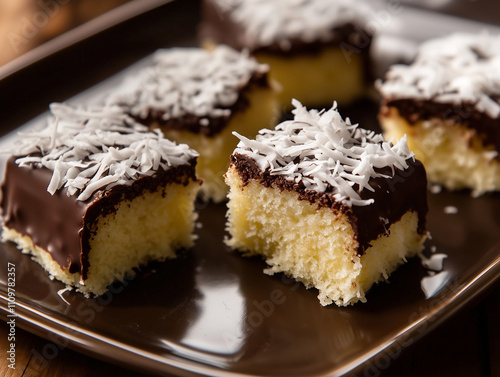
(458,68)
(188,81)
(96,147)
(280,21)
(321,150)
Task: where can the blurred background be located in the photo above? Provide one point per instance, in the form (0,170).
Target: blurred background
(479,10)
(25,24)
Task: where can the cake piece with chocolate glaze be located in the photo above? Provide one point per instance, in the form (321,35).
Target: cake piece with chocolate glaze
(199,97)
(95,195)
(447,102)
(318,50)
(326,202)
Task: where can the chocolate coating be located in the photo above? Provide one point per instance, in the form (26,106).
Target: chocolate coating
(486,129)
(406,191)
(54,223)
(63,225)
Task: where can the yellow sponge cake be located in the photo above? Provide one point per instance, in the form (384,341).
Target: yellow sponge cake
(447,102)
(328,203)
(318,50)
(199,97)
(95,195)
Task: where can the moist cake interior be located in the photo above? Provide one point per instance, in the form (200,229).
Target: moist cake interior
(287,203)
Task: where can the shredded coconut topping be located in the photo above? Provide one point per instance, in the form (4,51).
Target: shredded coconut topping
(282,20)
(459,68)
(93,148)
(188,81)
(325,153)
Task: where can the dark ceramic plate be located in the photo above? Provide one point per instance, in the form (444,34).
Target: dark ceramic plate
(213,312)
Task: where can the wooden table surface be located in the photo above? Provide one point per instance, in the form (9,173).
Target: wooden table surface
(466,345)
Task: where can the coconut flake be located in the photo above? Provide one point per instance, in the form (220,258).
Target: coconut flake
(62,291)
(188,81)
(94,148)
(435,188)
(433,283)
(450,210)
(459,68)
(434,262)
(323,151)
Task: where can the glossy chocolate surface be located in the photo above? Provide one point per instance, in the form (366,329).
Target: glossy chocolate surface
(485,128)
(59,223)
(406,191)
(54,222)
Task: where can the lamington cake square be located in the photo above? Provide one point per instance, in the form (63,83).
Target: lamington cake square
(199,97)
(95,195)
(318,50)
(447,102)
(326,202)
